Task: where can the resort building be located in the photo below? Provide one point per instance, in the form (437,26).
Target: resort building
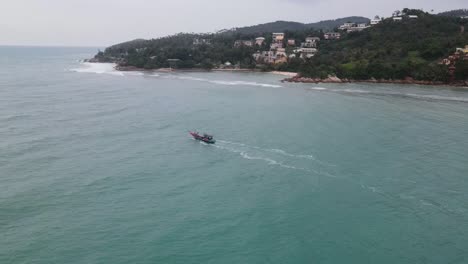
(308,52)
(463,50)
(375,21)
(201,41)
(259,41)
(291,42)
(278,37)
(397,18)
(280,52)
(358,27)
(239,43)
(312,39)
(276,45)
(310,42)
(257,56)
(347,26)
(332,35)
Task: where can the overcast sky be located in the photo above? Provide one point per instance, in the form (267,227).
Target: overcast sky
(105,22)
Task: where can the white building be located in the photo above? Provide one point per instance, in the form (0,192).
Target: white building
(376,20)
(259,41)
(201,41)
(276,45)
(280,52)
(347,26)
(278,37)
(308,52)
(312,39)
(332,35)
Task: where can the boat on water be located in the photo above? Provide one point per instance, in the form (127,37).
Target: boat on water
(205,137)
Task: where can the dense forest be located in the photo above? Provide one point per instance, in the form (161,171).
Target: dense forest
(390,50)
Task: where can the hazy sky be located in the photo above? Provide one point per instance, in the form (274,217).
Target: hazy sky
(106,22)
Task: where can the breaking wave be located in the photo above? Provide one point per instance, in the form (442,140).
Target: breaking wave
(425,97)
(98,68)
(109,68)
(222,82)
(233,83)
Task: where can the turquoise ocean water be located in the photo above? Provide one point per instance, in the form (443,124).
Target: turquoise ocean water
(96,166)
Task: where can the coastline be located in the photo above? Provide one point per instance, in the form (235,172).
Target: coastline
(407,81)
(294,77)
(133,68)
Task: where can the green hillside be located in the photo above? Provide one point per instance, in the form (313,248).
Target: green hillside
(394,50)
(410,48)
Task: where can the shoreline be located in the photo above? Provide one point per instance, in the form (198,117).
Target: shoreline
(167,70)
(294,77)
(407,81)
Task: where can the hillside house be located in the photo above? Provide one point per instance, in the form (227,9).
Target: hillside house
(276,45)
(332,35)
(280,52)
(358,27)
(347,26)
(257,56)
(463,50)
(277,37)
(397,18)
(291,42)
(259,41)
(310,42)
(281,59)
(240,43)
(268,57)
(201,41)
(248,43)
(413,17)
(312,39)
(308,52)
(375,21)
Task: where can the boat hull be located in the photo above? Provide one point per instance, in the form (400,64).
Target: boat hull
(201,138)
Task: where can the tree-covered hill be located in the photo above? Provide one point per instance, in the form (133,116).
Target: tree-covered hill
(156,53)
(394,50)
(409,48)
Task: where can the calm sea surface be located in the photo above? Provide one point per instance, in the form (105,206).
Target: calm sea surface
(96,166)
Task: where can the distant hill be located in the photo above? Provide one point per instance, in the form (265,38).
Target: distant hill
(280,26)
(136,43)
(455,13)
